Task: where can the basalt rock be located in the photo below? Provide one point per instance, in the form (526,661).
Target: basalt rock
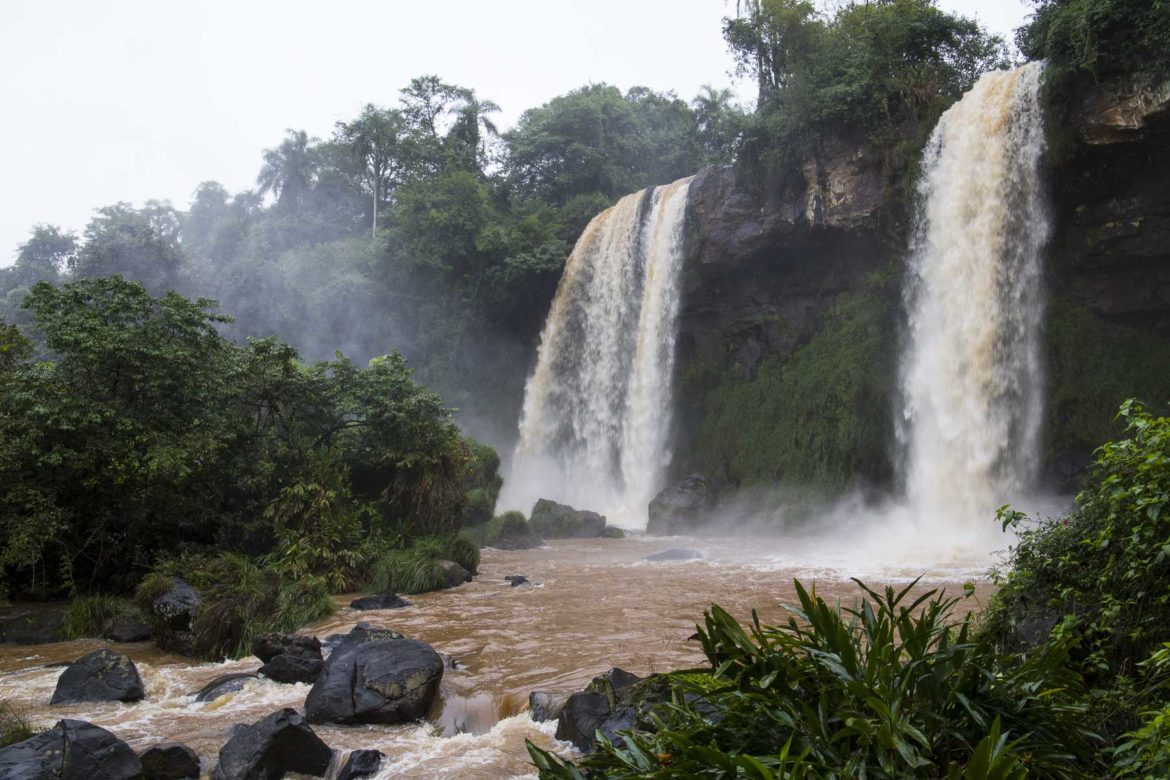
(169,761)
(454,575)
(223,685)
(292,669)
(561,521)
(683,507)
(516,580)
(546,705)
(387,600)
(268,646)
(102,675)
(675,554)
(361,763)
(128,629)
(607,704)
(273,747)
(174,614)
(375,676)
(71,750)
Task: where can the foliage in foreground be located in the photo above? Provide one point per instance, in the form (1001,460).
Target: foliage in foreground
(891,687)
(14,726)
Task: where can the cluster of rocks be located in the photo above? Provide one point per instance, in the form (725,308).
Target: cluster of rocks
(615,701)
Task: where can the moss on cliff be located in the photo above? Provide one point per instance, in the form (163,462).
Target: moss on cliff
(1094,365)
(821,418)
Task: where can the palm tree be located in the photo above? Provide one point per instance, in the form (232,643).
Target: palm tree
(290,169)
(470,116)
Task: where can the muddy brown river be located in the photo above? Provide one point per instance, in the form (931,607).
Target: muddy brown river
(594,604)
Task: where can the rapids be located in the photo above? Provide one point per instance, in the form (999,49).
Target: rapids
(596,604)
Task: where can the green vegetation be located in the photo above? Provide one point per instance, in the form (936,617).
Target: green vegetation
(93,616)
(891,687)
(814,420)
(509,530)
(14,726)
(1098,37)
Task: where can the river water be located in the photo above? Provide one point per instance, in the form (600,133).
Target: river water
(595,604)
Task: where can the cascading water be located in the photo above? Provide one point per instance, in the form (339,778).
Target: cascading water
(597,409)
(972,379)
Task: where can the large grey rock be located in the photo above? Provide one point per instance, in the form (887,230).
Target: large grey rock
(99,676)
(583,714)
(361,763)
(454,575)
(128,629)
(551,520)
(375,676)
(268,646)
(169,761)
(684,507)
(545,705)
(387,600)
(223,685)
(610,703)
(272,747)
(174,614)
(71,750)
(292,669)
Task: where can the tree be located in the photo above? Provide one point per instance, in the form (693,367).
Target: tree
(718,123)
(46,254)
(142,244)
(375,142)
(467,139)
(290,169)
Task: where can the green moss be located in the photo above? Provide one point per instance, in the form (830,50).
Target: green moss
(822,418)
(1093,365)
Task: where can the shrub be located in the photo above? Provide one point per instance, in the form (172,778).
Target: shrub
(92,616)
(14,725)
(406,571)
(892,687)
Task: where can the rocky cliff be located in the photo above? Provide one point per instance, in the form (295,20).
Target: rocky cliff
(789,329)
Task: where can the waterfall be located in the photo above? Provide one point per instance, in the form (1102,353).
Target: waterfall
(972,379)
(597,408)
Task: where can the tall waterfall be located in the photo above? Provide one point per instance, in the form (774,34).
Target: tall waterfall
(972,379)
(597,409)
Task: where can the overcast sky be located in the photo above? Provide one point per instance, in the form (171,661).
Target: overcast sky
(109,100)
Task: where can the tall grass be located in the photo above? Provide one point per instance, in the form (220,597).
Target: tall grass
(93,616)
(14,725)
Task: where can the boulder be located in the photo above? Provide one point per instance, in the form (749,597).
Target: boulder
(268,646)
(71,750)
(102,675)
(128,629)
(292,669)
(33,626)
(561,521)
(675,554)
(683,507)
(387,600)
(608,704)
(454,574)
(544,705)
(169,761)
(174,614)
(361,763)
(516,580)
(271,748)
(375,676)
(223,685)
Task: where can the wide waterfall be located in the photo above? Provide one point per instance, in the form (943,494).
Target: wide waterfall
(972,377)
(597,409)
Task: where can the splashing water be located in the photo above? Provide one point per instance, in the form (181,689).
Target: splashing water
(597,409)
(972,380)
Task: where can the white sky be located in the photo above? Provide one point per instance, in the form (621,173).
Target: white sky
(109,100)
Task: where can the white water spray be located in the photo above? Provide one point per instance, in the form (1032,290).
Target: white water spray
(972,379)
(597,409)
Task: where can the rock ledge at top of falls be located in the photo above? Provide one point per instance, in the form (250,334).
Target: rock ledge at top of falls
(375,676)
(71,750)
(683,507)
(1122,109)
(102,675)
(551,520)
(273,747)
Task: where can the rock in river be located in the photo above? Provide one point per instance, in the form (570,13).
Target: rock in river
(169,761)
(71,750)
(273,747)
(561,521)
(99,676)
(387,600)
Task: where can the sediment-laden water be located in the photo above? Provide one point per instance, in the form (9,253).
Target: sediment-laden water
(596,604)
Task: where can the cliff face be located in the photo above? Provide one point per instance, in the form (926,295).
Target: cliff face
(791,314)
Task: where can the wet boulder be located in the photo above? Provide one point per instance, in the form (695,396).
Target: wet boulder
(674,554)
(289,658)
(387,600)
(361,763)
(551,520)
(128,629)
(173,613)
(71,750)
(516,580)
(102,675)
(454,575)
(683,507)
(223,685)
(292,669)
(545,705)
(273,747)
(375,676)
(169,761)
(612,702)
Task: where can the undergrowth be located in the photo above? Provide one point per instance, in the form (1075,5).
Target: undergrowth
(93,616)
